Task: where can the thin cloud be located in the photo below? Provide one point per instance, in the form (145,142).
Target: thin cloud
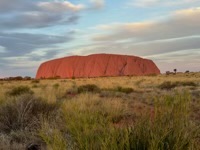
(25,43)
(98,4)
(177,33)
(60,6)
(37,20)
(180,24)
(158,3)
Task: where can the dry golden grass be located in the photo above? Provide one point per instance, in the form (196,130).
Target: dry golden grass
(98,120)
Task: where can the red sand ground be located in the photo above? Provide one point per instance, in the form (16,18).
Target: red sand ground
(97,65)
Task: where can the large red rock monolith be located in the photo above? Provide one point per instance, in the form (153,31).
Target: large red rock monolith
(97,65)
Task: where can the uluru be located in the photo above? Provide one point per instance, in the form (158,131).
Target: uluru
(96,65)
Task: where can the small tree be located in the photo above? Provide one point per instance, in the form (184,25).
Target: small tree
(175,70)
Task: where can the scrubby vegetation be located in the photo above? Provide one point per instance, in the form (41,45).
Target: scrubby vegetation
(19,90)
(168,127)
(88,88)
(169,85)
(24,112)
(35,81)
(124,90)
(139,113)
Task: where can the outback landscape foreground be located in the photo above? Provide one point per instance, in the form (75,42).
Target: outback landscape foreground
(156,112)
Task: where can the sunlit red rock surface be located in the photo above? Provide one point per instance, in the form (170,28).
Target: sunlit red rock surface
(97,65)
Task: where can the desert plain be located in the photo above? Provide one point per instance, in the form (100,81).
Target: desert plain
(107,113)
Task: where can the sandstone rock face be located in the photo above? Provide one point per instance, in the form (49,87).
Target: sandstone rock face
(97,65)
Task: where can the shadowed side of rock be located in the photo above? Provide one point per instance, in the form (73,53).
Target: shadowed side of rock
(98,65)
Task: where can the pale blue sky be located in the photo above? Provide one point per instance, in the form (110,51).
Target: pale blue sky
(34,31)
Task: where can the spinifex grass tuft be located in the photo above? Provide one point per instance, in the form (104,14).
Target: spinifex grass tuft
(19,90)
(169,128)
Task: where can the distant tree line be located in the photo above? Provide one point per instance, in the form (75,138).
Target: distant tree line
(17,78)
(175,71)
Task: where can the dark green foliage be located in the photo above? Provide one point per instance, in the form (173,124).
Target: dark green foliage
(16,91)
(124,90)
(15,78)
(35,86)
(188,83)
(27,78)
(120,89)
(168,85)
(175,70)
(56,86)
(88,88)
(35,81)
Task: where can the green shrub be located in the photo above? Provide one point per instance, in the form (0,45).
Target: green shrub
(124,90)
(120,89)
(16,91)
(35,81)
(88,88)
(188,83)
(35,86)
(56,86)
(168,85)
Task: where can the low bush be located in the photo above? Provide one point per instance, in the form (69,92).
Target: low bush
(56,86)
(88,88)
(16,91)
(188,83)
(35,81)
(6,143)
(24,112)
(168,85)
(124,90)
(35,86)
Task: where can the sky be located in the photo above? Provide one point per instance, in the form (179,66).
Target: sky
(34,31)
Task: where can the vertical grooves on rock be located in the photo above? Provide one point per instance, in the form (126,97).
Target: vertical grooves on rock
(96,66)
(121,72)
(105,71)
(92,68)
